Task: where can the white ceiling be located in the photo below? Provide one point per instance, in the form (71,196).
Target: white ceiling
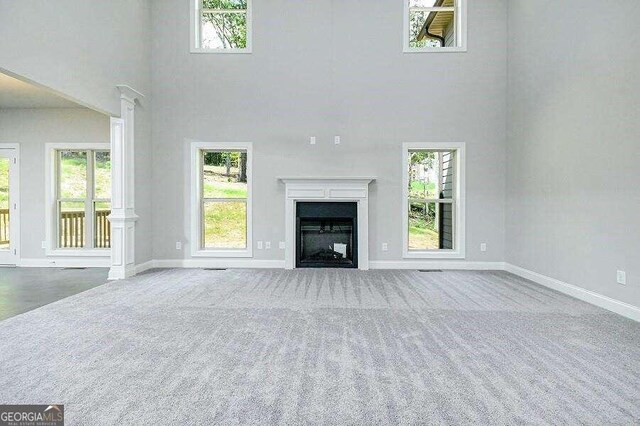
(18,94)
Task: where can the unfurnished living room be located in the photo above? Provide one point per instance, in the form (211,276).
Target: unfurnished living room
(319,212)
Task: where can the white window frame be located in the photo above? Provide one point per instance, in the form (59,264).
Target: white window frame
(460,10)
(196,191)
(51,188)
(459,199)
(196,46)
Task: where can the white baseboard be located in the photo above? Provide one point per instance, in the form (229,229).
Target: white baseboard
(150,264)
(613,305)
(66,262)
(213,263)
(436,264)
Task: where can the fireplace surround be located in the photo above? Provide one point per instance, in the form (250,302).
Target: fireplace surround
(323,190)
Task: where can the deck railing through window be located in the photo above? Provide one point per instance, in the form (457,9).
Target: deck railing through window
(4,226)
(72,229)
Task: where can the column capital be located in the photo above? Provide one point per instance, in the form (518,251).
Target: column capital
(127,93)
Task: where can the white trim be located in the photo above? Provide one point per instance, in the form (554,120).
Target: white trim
(77,262)
(437,264)
(460,197)
(14,198)
(218,263)
(613,305)
(52,249)
(194,32)
(460,15)
(194,208)
(71,252)
(141,267)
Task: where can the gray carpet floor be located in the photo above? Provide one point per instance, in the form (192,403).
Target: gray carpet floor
(324,347)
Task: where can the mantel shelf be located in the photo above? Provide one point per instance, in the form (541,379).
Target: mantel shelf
(325,178)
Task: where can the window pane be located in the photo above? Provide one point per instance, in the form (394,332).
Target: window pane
(225,224)
(102,174)
(431,174)
(102,228)
(430,226)
(4,204)
(224,4)
(73,174)
(423,174)
(72,224)
(224,30)
(224,174)
(440,30)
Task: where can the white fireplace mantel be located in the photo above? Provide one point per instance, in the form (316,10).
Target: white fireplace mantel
(327,189)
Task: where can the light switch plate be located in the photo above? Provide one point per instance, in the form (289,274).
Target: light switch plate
(312,140)
(483,247)
(259,245)
(282,245)
(178,245)
(385,247)
(621,277)
(267,245)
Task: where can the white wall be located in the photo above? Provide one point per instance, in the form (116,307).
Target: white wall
(82,49)
(326,68)
(32,129)
(574,143)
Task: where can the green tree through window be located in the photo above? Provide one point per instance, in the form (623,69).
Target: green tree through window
(228,20)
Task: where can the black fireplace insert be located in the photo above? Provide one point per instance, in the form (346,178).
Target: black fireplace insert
(326,235)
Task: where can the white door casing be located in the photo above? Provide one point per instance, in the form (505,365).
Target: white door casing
(10,254)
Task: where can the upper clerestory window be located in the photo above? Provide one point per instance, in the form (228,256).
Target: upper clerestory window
(221,26)
(435,26)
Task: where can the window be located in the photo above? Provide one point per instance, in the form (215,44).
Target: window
(221,199)
(80,200)
(221,26)
(433,204)
(435,26)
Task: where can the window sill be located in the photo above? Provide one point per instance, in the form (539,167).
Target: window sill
(220,51)
(433,254)
(435,50)
(106,253)
(222,253)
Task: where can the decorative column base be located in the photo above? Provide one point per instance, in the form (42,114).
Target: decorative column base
(123,237)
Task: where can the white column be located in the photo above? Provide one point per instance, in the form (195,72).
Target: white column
(123,217)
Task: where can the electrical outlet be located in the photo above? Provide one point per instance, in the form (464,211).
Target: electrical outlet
(178,245)
(621,277)
(312,140)
(336,140)
(44,244)
(483,247)
(385,247)
(282,245)
(259,245)
(267,245)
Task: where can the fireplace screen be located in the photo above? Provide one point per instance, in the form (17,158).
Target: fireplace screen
(327,235)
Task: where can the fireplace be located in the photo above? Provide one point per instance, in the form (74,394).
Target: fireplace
(326,235)
(326,222)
